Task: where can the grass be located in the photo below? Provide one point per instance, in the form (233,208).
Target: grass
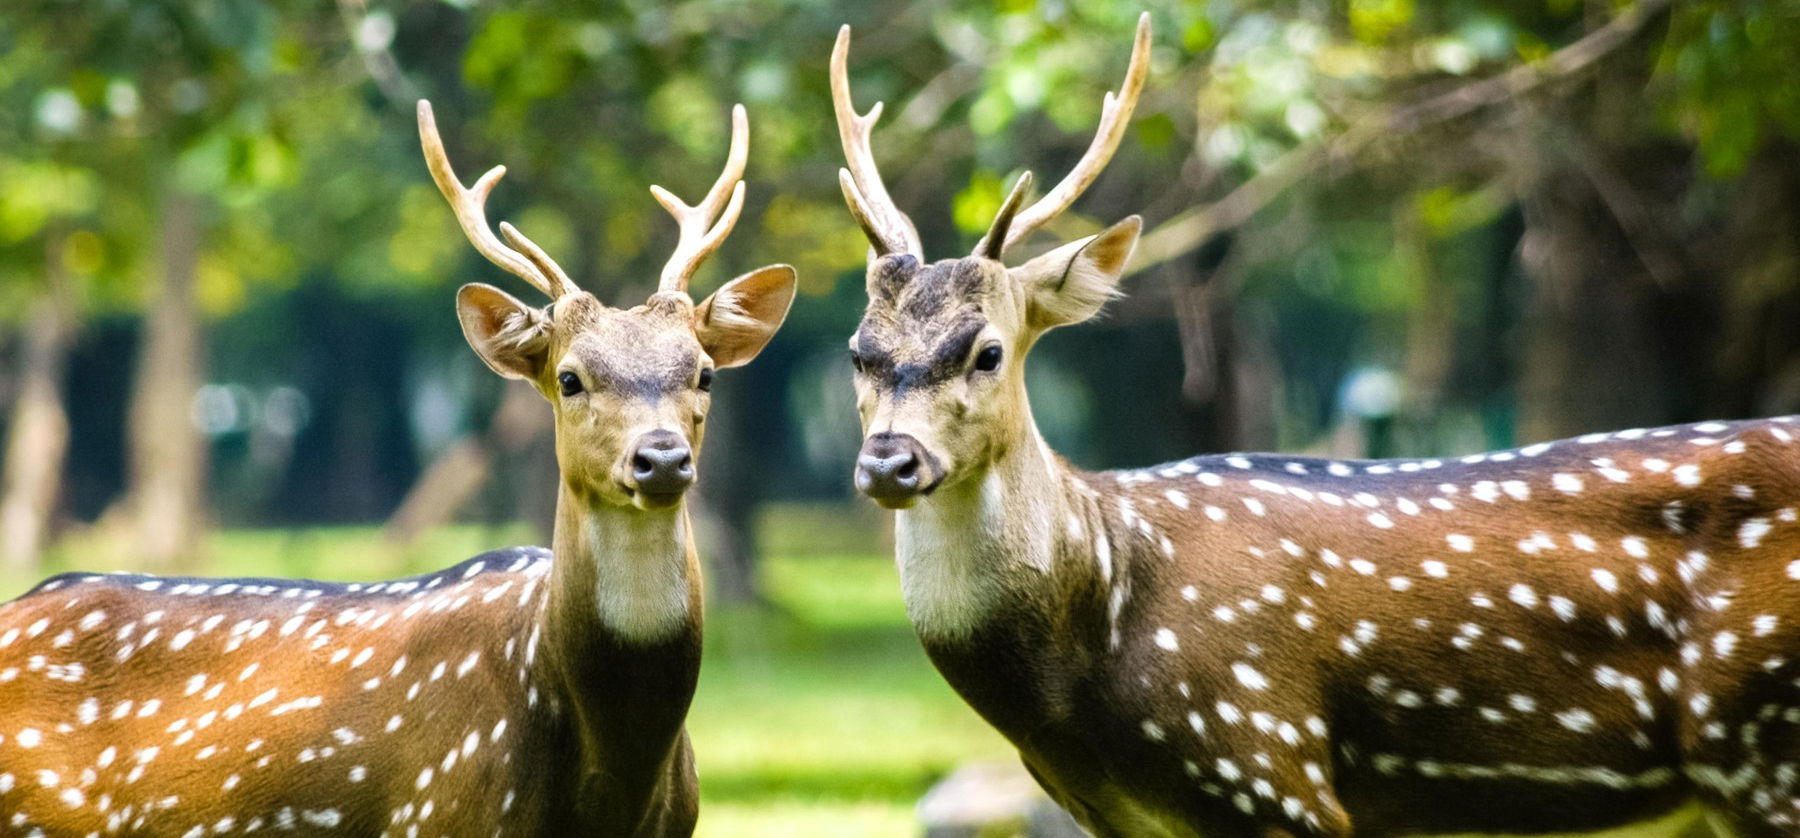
(825,718)
(819,716)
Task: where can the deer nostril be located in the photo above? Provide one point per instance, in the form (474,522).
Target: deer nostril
(908,468)
(686,464)
(641,465)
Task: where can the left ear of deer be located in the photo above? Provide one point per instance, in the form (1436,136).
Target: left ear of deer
(737,321)
(1071,283)
(510,336)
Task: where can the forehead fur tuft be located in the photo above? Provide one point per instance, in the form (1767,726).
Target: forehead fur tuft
(670,303)
(914,292)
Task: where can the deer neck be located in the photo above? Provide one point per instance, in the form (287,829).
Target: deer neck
(622,643)
(626,575)
(997,549)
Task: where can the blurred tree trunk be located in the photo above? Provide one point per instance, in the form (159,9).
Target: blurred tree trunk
(1758,369)
(729,489)
(161,518)
(1487,371)
(1618,325)
(1587,365)
(1227,386)
(467,464)
(38,442)
(1430,340)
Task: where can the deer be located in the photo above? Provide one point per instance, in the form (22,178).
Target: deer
(1567,636)
(522,692)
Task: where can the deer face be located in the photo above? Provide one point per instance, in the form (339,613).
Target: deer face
(630,387)
(939,356)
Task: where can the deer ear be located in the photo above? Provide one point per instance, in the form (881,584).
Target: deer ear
(1071,283)
(737,321)
(512,337)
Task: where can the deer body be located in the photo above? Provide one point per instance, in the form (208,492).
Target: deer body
(525,692)
(1566,637)
(485,699)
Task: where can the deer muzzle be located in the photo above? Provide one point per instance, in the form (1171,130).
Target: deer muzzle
(895,469)
(661,468)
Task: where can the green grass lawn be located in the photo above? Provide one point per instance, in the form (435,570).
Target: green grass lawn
(824,719)
(819,716)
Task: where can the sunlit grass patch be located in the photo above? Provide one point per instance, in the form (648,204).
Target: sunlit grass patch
(825,713)
(805,819)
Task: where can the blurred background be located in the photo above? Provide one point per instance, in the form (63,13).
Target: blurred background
(1376,228)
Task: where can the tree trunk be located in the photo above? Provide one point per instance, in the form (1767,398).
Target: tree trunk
(464,467)
(1757,364)
(38,441)
(1587,359)
(1228,391)
(162,517)
(730,489)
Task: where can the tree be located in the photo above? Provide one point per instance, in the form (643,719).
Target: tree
(177,110)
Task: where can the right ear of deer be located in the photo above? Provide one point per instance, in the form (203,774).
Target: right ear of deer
(888,229)
(469,205)
(1115,116)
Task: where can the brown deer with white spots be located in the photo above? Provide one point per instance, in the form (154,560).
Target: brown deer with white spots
(1570,636)
(523,692)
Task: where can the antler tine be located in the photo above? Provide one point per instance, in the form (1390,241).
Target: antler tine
(538,258)
(994,241)
(470,207)
(1115,116)
(888,229)
(698,240)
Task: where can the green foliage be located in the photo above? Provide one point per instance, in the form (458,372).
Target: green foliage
(269,109)
(1729,69)
(40,191)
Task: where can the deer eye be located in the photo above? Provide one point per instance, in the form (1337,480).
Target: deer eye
(989,359)
(856,361)
(706,375)
(571,383)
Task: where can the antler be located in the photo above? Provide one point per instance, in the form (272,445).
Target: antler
(888,229)
(1115,115)
(532,264)
(993,243)
(697,240)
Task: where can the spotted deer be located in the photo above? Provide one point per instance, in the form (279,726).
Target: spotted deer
(1569,636)
(522,692)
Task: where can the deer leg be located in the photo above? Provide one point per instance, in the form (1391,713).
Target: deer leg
(1751,782)
(1739,697)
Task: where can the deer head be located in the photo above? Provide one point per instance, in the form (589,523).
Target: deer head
(629,386)
(940,350)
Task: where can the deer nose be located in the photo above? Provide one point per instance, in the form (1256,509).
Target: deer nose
(662,464)
(889,466)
